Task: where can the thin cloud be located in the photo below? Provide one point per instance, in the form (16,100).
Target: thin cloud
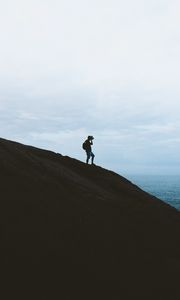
(106,68)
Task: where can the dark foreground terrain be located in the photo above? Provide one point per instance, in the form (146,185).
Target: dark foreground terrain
(74,231)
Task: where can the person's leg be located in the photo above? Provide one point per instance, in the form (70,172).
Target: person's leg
(92,158)
(88,156)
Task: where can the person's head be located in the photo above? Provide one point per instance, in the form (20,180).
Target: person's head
(90,138)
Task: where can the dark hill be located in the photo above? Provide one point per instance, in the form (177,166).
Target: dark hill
(74,231)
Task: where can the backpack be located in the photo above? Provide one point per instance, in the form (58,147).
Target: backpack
(84,146)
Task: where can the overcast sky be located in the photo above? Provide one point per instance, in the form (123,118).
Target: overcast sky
(108,68)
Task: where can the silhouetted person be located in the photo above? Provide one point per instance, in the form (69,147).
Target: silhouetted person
(87,147)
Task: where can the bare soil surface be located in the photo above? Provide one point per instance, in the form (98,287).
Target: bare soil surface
(76,231)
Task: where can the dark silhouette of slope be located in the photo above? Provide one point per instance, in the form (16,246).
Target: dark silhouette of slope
(70,230)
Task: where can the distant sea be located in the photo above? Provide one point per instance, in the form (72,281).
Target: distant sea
(165,187)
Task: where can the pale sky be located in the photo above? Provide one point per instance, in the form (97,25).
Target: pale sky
(107,68)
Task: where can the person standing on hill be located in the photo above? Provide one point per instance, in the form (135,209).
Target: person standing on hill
(87,146)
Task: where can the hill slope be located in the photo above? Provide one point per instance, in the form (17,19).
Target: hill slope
(72,230)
